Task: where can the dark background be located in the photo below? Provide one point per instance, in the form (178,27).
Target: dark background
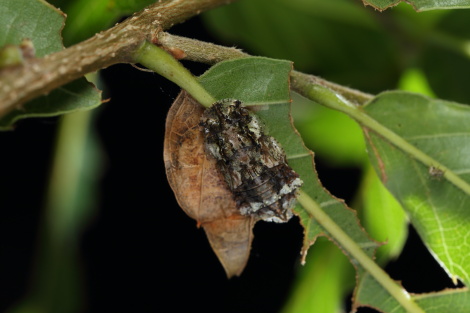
(141,253)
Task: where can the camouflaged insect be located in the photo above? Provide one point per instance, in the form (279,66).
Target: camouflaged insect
(253,164)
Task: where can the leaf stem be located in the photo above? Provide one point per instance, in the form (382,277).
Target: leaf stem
(163,63)
(358,254)
(329,98)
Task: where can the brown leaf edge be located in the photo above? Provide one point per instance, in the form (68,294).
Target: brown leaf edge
(201,190)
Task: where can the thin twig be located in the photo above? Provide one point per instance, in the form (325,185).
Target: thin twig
(199,51)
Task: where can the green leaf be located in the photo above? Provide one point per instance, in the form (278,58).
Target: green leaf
(76,96)
(419,148)
(26,19)
(254,80)
(370,293)
(428,170)
(331,38)
(451,300)
(263,84)
(33,19)
(421,5)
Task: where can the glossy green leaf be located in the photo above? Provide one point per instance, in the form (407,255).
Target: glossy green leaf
(451,300)
(421,5)
(26,19)
(432,179)
(263,84)
(330,38)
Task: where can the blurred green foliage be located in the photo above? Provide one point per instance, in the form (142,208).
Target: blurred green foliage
(323,283)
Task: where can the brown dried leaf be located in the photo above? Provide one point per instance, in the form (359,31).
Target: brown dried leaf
(201,190)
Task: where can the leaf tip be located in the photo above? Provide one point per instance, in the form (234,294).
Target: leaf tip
(231,240)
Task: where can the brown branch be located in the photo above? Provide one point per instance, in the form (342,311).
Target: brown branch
(39,76)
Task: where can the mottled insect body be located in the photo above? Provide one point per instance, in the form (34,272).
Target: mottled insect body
(253,164)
